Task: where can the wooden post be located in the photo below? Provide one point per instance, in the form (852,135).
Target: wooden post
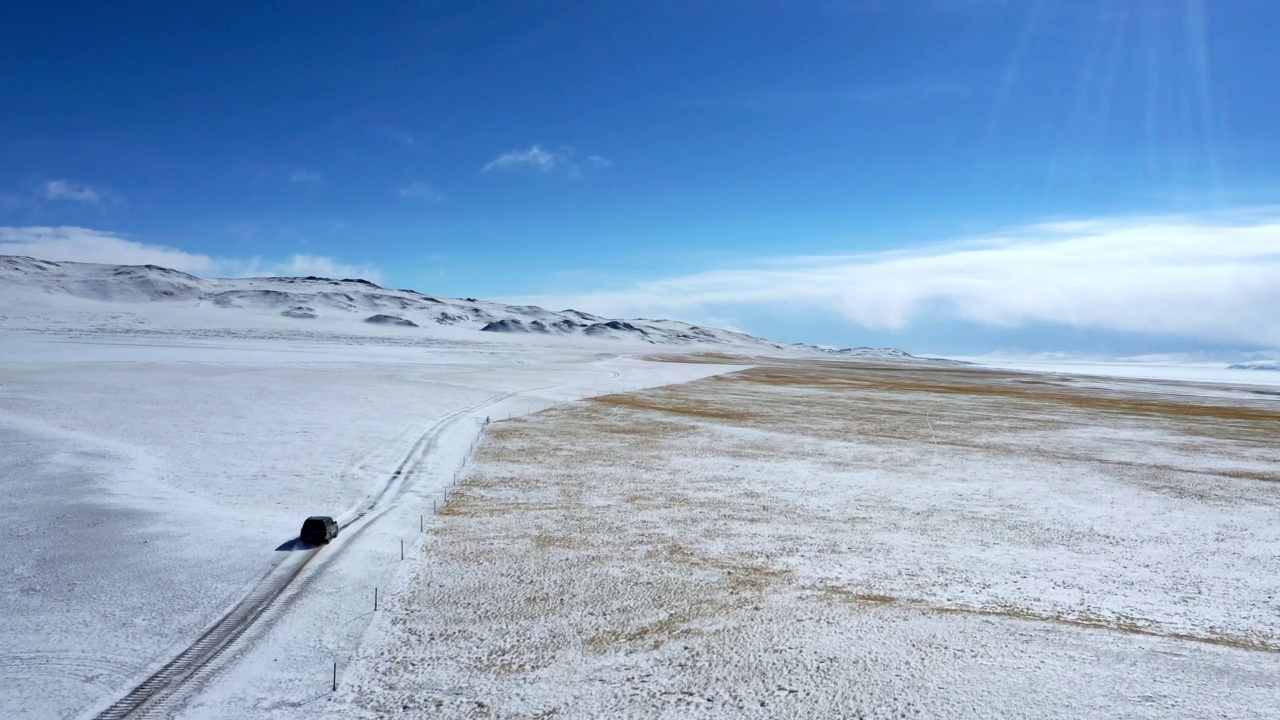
(402,549)
(335,675)
(375,599)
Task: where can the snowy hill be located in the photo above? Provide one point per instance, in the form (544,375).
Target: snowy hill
(873,353)
(314,303)
(1257,365)
(119,283)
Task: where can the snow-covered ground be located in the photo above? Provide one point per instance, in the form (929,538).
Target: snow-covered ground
(1158,369)
(811,539)
(151,301)
(850,541)
(146,302)
(149,482)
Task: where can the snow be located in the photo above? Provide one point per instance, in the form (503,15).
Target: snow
(159,457)
(1189,372)
(148,298)
(757,548)
(150,301)
(150,495)
(1257,365)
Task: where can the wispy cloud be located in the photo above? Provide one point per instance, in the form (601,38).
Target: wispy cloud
(789,99)
(419,191)
(11,201)
(402,137)
(564,161)
(298,265)
(67,190)
(300,175)
(1214,277)
(77,244)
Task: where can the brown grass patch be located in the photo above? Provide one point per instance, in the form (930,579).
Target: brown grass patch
(995,384)
(648,402)
(708,358)
(543,473)
(1124,625)
(548,541)
(736,585)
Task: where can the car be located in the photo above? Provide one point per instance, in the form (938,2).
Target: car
(319,529)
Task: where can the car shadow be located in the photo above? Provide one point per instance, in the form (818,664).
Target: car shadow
(295,545)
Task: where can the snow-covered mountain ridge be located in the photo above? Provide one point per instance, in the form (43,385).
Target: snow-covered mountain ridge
(1257,365)
(310,299)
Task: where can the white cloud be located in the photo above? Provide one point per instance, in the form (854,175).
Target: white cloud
(78,244)
(419,191)
(299,175)
(75,244)
(791,98)
(591,162)
(298,265)
(539,159)
(75,192)
(535,157)
(1214,277)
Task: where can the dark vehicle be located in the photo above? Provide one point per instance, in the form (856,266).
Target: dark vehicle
(319,529)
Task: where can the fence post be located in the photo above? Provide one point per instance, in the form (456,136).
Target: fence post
(402,549)
(335,675)
(375,599)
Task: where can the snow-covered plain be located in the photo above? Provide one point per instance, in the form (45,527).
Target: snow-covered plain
(143,498)
(158,458)
(827,540)
(758,545)
(1203,372)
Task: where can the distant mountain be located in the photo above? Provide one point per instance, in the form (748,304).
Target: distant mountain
(1221,357)
(1228,356)
(1257,365)
(891,354)
(309,300)
(877,353)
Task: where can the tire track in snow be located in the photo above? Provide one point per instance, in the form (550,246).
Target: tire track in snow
(416,455)
(150,697)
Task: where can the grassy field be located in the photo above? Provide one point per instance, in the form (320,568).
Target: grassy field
(819,539)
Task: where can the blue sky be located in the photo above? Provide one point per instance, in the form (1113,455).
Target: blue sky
(630,157)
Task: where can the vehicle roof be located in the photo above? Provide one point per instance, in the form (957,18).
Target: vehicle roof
(320,517)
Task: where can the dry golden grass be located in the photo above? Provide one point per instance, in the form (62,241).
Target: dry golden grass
(691,409)
(822,524)
(945,406)
(1130,625)
(708,358)
(829,525)
(1011,386)
(535,484)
